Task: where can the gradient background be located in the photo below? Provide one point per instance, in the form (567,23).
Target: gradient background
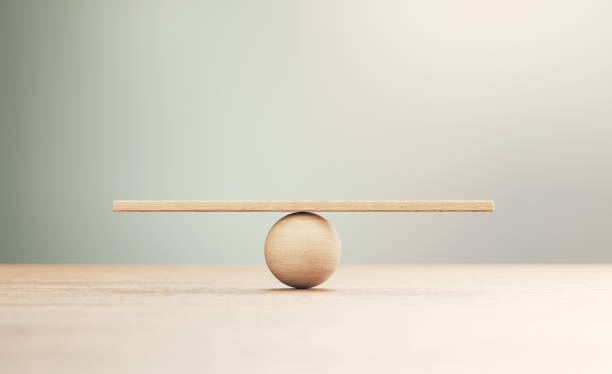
(503,100)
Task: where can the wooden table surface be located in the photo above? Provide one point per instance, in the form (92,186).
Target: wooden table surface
(219,319)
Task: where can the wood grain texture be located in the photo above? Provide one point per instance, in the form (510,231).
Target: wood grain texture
(302,250)
(303,206)
(236,319)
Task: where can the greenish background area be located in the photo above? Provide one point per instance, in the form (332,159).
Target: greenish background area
(504,100)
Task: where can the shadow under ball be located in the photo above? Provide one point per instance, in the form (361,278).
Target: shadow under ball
(302,250)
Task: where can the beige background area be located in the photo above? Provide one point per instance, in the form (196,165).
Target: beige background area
(502,100)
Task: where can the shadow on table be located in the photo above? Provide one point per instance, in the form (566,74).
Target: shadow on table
(297,290)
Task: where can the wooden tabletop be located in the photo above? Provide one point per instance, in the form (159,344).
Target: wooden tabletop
(212,319)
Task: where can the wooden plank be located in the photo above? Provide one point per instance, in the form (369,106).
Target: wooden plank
(303,206)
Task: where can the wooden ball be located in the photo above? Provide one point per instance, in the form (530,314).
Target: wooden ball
(302,250)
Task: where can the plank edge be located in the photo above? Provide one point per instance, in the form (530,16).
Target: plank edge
(484,206)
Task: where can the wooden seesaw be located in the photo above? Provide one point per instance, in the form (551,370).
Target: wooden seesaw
(302,249)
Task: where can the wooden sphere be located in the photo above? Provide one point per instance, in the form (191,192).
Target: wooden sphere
(302,250)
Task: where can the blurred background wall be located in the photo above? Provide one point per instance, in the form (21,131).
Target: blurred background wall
(504,100)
